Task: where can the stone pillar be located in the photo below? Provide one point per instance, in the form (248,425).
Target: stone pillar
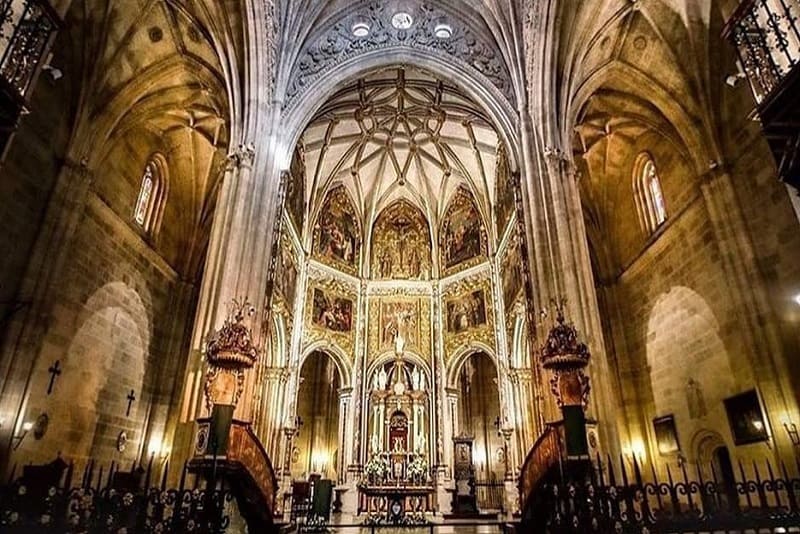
(560,266)
(757,318)
(346,424)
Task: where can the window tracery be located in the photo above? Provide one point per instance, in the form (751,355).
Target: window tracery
(152,195)
(648,194)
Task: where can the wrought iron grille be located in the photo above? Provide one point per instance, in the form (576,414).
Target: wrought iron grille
(114,502)
(26,29)
(767,37)
(623,499)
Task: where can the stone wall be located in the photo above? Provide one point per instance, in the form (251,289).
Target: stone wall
(118,324)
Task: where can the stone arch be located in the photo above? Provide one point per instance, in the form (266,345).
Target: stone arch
(278,341)
(388,356)
(703,445)
(336,354)
(106,358)
(689,366)
(682,130)
(456,361)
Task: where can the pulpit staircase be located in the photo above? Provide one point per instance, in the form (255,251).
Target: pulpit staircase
(553,457)
(231,455)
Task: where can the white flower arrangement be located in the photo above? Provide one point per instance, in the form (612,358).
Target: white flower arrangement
(376,467)
(418,468)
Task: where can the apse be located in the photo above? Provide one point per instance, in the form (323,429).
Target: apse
(399,253)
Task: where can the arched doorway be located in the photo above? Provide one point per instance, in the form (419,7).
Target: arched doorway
(316,447)
(479,414)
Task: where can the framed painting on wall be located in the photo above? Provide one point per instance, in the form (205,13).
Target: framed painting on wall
(666,434)
(746,418)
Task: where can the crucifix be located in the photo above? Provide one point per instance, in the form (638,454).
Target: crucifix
(131,397)
(54,371)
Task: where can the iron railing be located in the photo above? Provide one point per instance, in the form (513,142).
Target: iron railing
(490,494)
(766,34)
(629,499)
(45,500)
(26,30)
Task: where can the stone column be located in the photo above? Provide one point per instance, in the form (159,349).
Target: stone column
(746,286)
(560,266)
(346,424)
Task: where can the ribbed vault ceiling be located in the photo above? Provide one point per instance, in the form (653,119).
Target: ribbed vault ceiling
(397,134)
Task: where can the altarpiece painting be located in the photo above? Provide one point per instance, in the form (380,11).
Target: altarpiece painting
(466,311)
(336,234)
(401,245)
(504,191)
(511,276)
(463,234)
(332,312)
(296,189)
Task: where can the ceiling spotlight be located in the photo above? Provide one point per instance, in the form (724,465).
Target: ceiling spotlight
(797,299)
(360,29)
(402,20)
(443,31)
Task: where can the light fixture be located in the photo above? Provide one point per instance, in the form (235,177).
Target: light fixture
(796,299)
(402,20)
(360,29)
(734,79)
(443,31)
(26,427)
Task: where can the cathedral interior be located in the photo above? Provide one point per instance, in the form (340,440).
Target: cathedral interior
(343,264)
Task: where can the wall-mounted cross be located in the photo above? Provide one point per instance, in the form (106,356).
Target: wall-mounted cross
(131,397)
(54,370)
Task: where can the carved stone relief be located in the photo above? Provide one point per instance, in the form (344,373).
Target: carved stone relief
(463,46)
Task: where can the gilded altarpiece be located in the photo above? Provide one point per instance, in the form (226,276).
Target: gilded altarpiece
(337,234)
(505,201)
(410,316)
(462,239)
(330,314)
(468,314)
(401,245)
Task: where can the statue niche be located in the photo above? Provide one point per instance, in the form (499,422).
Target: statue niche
(401,246)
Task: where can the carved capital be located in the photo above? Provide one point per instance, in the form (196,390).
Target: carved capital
(243,156)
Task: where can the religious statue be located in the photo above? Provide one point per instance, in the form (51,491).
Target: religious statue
(399,343)
(694,397)
(415,382)
(386,264)
(383,378)
(375,444)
